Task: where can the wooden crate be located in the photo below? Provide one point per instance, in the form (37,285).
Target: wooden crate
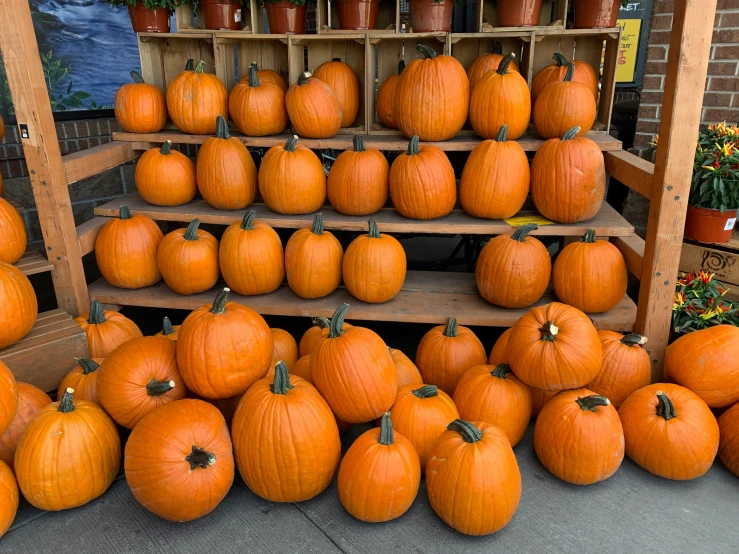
(327,15)
(553,16)
(721,259)
(187,22)
(234,52)
(164,55)
(467,47)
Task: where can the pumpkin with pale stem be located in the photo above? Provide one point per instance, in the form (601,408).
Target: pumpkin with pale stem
(385,103)
(563,105)
(728,450)
(195,99)
(83,378)
(30,400)
(343,81)
(168,330)
(266,76)
(106,330)
(313,108)
(313,260)
(8,498)
(139,107)
(18,306)
(165,177)
(285,347)
(408,373)
(490,61)
(582,72)
(13,238)
(257,108)
(358,181)
(626,366)
(188,259)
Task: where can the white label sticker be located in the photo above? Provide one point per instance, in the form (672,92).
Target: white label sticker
(237,15)
(730,224)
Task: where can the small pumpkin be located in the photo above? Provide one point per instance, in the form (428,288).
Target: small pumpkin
(139,107)
(626,366)
(342,79)
(226,174)
(385,102)
(8,494)
(499,353)
(301,368)
(313,261)
(374,266)
(358,181)
(408,373)
(539,398)
(578,437)
(446,352)
(18,306)
(13,238)
(285,347)
(165,177)
(563,105)
(313,108)
(257,108)
(582,72)
(379,475)
(728,451)
(106,330)
(292,179)
(83,379)
(195,99)
(489,61)
(30,400)
(168,330)
(188,259)
(315,333)
(571,168)
(251,257)
(266,76)
(2,128)
(669,431)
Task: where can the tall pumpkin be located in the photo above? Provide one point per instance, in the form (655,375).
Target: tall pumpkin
(626,366)
(728,451)
(313,260)
(30,400)
(313,108)
(266,76)
(188,259)
(385,102)
(421,87)
(513,270)
(18,306)
(573,169)
(8,399)
(83,379)
(13,238)
(408,373)
(227,176)
(257,108)
(195,99)
(8,496)
(292,179)
(342,79)
(487,62)
(106,330)
(563,105)
(285,347)
(139,107)
(583,73)
(165,177)
(126,250)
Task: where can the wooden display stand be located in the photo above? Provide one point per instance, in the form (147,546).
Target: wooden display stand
(721,259)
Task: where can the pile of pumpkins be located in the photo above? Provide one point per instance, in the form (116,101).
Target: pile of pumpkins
(223,391)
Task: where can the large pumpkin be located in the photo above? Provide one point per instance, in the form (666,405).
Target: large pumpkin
(285,347)
(385,102)
(342,79)
(83,378)
(8,497)
(379,475)
(292,179)
(30,400)
(446,352)
(706,362)
(195,99)
(487,62)
(313,335)
(251,257)
(374,266)
(626,366)
(555,347)
(313,107)
(495,179)
(266,76)
(179,462)
(408,373)
(499,352)
(466,502)
(422,183)
(572,168)
(292,455)
(353,370)
(165,177)
(106,330)
(669,431)
(223,349)
(539,398)
(313,261)
(139,107)
(188,259)
(227,176)
(513,270)
(728,450)
(18,306)
(257,108)
(13,238)
(563,105)
(301,368)
(168,330)
(423,85)
(49,463)
(583,73)
(578,437)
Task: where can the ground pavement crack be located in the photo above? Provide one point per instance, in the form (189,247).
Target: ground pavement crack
(320,529)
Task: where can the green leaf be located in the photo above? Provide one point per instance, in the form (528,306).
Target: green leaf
(81,95)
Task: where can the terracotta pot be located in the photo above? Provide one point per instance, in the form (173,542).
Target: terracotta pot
(428,16)
(596,14)
(706,225)
(358,14)
(221,14)
(518,13)
(285,18)
(145,20)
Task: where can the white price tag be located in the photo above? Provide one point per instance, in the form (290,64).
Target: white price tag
(237,15)
(730,224)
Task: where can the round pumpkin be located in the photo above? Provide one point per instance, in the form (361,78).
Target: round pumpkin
(310,338)
(626,366)
(165,177)
(223,349)
(499,353)
(139,107)
(578,437)
(168,330)
(669,431)
(2,128)
(462,454)
(728,451)
(106,330)
(313,108)
(13,238)
(425,83)
(30,400)
(301,368)
(343,81)
(446,352)
(179,462)
(563,105)
(385,102)
(408,373)
(487,62)
(2,185)
(539,397)
(195,99)
(266,76)
(353,370)
(251,257)
(422,183)
(18,306)
(257,108)
(226,174)
(494,395)
(83,378)
(374,266)
(8,493)
(313,261)
(49,463)
(555,347)
(571,168)
(582,72)
(379,475)
(188,259)
(285,347)
(292,179)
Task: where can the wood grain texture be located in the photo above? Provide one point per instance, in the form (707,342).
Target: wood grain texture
(86,163)
(33,262)
(87,234)
(632,249)
(633,171)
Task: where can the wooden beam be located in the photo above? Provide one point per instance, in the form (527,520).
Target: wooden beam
(41,149)
(92,161)
(633,171)
(632,249)
(687,66)
(87,233)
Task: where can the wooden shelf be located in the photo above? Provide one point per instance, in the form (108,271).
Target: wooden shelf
(607,223)
(33,262)
(426,297)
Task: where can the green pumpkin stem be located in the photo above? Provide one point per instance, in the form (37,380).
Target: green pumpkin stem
(304,78)
(336,329)
(469,432)
(167,328)
(451,327)
(247,224)
(632,339)
(665,408)
(219,304)
(97,314)
(335,59)
(589,236)
(571,133)
(166,148)
(253,79)
(401,66)
(291,143)
(190,65)
(497,48)
(522,232)
(358,143)
(426,51)
(386,430)
(191,233)
(254,65)
(222,128)
(413,146)
(426,391)
(200,67)
(570,72)
(590,402)
(281,383)
(321,322)
(137,78)
(501,370)
(504,63)
(158,388)
(374,232)
(66,404)
(124,212)
(502,134)
(560,60)
(200,458)
(88,366)
(317,228)
(548,331)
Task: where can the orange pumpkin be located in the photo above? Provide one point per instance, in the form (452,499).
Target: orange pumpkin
(446,352)
(188,259)
(310,338)
(563,105)
(227,176)
(9,495)
(313,108)
(2,128)
(358,181)
(18,306)
(83,379)
(258,108)
(499,353)
(374,266)
(385,102)
(408,373)
(342,79)
(266,76)
(13,238)
(30,400)
(285,347)
(626,366)
(301,368)
(2,185)
(168,330)
(313,261)
(487,62)
(139,107)
(165,177)
(583,73)
(195,99)
(539,398)
(728,450)
(106,330)
(571,168)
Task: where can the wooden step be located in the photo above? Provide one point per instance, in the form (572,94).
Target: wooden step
(426,297)
(33,262)
(89,162)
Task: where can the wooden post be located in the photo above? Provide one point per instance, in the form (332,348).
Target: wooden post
(41,148)
(690,43)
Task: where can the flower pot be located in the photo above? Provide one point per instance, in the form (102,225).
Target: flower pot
(595,14)
(145,20)
(428,16)
(518,13)
(358,14)
(706,225)
(221,14)
(285,18)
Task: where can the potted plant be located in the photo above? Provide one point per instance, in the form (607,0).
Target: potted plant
(221,14)
(519,13)
(595,14)
(699,303)
(358,14)
(430,16)
(149,16)
(286,16)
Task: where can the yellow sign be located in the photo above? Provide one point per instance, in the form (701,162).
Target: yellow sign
(523,220)
(628,50)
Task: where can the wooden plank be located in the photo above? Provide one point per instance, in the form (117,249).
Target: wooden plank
(87,233)
(687,65)
(33,262)
(426,297)
(41,149)
(632,249)
(633,171)
(86,163)
(708,258)
(608,222)
(608,81)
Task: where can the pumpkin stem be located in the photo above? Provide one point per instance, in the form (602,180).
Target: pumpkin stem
(247,224)
(254,65)
(219,304)
(589,236)
(158,388)
(200,67)
(500,371)
(590,402)
(222,128)
(632,339)
(190,65)
(66,404)
(359,143)
(570,72)
(281,383)
(374,232)
(88,366)
(192,230)
(166,148)
(253,79)
(502,134)
(504,63)
(304,78)
(317,228)
(497,48)
(548,331)
(413,146)
(522,232)
(426,51)
(469,432)
(560,60)
(401,66)
(451,327)
(336,329)
(137,78)
(167,328)
(124,212)
(335,59)
(386,430)
(571,133)
(97,315)
(200,458)
(426,391)
(665,408)
(291,143)
(321,322)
